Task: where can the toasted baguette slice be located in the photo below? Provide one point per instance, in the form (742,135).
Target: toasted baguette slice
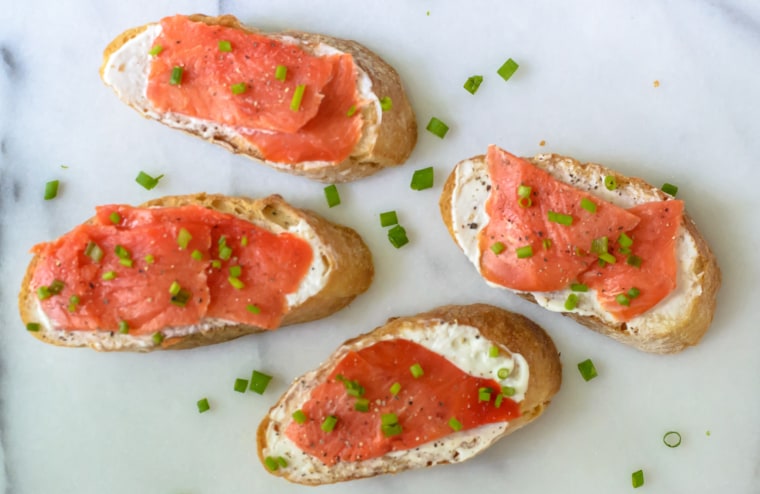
(678,321)
(341,269)
(387,138)
(462,334)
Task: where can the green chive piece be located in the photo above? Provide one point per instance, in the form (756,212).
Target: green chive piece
(634,292)
(328,424)
(610,182)
(361,405)
(241,385)
(588,205)
(197,255)
(634,261)
(498,400)
(115,218)
(243,241)
(203,405)
(637,478)
(176,77)
(524,190)
(282,461)
(56,287)
(300,417)
(181,298)
(397,236)
(157,337)
(109,275)
(147,181)
(587,370)
(624,240)
(672,439)
(43,293)
(578,287)
(236,283)
(73,303)
(395,388)
(493,351)
(33,326)
(93,251)
(121,252)
(600,245)
(271,464)
(236,271)
(51,189)
(259,382)
(332,196)
(388,218)
(125,261)
(225,252)
(608,258)
(386,103)
(123,327)
(149,259)
(546,243)
(562,219)
(238,88)
(224,45)
(437,127)
(498,247)
(502,373)
(669,189)
(253,309)
(484,394)
(623,299)
(174,288)
(507,390)
(571,302)
(351,111)
(455,424)
(524,202)
(416,371)
(156,50)
(422,179)
(216,263)
(183,238)
(295,103)
(524,252)
(508,69)
(280,73)
(389,424)
(472,83)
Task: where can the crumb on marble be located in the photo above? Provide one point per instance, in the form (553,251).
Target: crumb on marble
(656,83)
(542,143)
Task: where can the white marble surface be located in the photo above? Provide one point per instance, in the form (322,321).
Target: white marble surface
(75,421)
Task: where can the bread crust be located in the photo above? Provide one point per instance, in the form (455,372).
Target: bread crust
(386,145)
(671,337)
(506,329)
(348,258)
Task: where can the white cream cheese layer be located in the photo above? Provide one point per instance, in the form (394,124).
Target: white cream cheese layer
(471,191)
(464,347)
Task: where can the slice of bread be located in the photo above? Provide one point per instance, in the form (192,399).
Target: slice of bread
(387,138)
(341,269)
(678,321)
(462,334)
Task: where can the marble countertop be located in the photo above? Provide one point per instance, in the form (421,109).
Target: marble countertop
(668,91)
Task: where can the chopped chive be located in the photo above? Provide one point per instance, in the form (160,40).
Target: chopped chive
(437,127)
(73,303)
(328,424)
(484,394)
(507,390)
(123,327)
(282,461)
(397,236)
(524,202)
(608,258)
(93,251)
(224,45)
(121,252)
(225,252)
(672,439)
(361,405)
(253,309)
(126,262)
(416,371)
(498,400)
(157,337)
(455,424)
(51,190)
(579,287)
(493,351)
(109,275)
(295,103)
(351,111)
(610,182)
(332,196)
(633,260)
(241,385)
(395,388)
(156,50)
(236,283)
(472,83)
(176,77)
(546,243)
(174,288)
(236,271)
(634,292)
(524,191)
(422,179)
(238,88)
(197,255)
(624,240)
(203,405)
(508,69)
(587,370)
(600,245)
(388,218)
(259,382)
(243,241)
(280,73)
(562,219)
(56,287)
(183,238)
(271,464)
(588,205)
(115,218)
(149,259)
(502,373)
(498,247)
(181,298)
(524,252)
(571,302)
(147,181)
(32,326)
(391,430)
(300,417)
(637,479)
(669,189)
(386,103)
(216,263)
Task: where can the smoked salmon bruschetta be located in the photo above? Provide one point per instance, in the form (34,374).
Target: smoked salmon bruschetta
(184,271)
(434,388)
(307,104)
(612,252)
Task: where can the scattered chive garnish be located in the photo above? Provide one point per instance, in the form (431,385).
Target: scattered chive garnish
(282,461)
(56,287)
(507,390)
(389,424)
(562,219)
(174,288)
(33,326)
(123,327)
(271,464)
(388,218)
(524,190)
(225,45)
(361,405)
(253,309)
(484,394)
(455,424)
(624,240)
(225,252)
(623,299)
(238,88)
(156,50)
(416,371)
(157,337)
(672,439)
(498,247)
(236,283)
(395,388)
(328,424)
(546,243)
(300,417)
(588,205)
(216,263)
(240,385)
(147,181)
(600,245)
(502,373)
(386,103)
(422,179)
(149,259)
(610,183)
(634,292)
(587,370)
(197,255)
(493,351)
(181,298)
(397,236)
(332,196)
(183,238)
(203,405)
(51,190)
(669,189)
(523,196)
(93,251)
(176,77)
(508,69)
(236,271)
(43,293)
(109,275)
(115,218)
(579,287)
(571,302)
(608,258)
(121,252)
(633,260)
(280,73)
(295,103)
(472,83)
(73,303)
(498,400)
(243,241)
(437,127)
(351,111)
(259,382)
(637,478)
(524,252)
